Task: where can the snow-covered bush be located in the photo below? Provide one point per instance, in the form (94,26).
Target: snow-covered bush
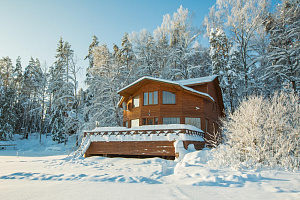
(262,132)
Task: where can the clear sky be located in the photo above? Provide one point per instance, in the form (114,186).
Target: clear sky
(33,27)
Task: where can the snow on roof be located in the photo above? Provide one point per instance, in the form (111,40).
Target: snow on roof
(148,127)
(197,80)
(181,83)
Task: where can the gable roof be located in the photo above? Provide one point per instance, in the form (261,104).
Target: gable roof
(181,84)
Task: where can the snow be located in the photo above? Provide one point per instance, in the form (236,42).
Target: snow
(113,134)
(149,127)
(193,81)
(44,171)
(181,83)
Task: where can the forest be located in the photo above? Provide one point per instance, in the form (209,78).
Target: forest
(254,50)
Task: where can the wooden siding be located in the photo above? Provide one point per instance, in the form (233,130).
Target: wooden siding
(187,105)
(134,148)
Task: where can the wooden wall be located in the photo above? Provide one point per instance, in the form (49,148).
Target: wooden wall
(138,148)
(187,104)
(149,148)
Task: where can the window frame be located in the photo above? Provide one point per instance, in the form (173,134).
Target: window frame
(154,120)
(163,99)
(187,120)
(154,98)
(178,120)
(138,100)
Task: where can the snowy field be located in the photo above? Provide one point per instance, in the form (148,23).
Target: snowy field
(43,171)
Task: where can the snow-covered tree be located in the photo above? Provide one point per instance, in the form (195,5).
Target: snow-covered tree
(240,19)
(8,116)
(182,35)
(262,132)
(284,48)
(219,49)
(31,96)
(61,89)
(144,50)
(106,80)
(6,72)
(226,62)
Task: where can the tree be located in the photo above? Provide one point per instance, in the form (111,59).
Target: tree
(107,79)
(241,19)
(181,34)
(226,62)
(144,50)
(6,72)
(61,91)
(31,96)
(127,56)
(268,136)
(90,56)
(7,113)
(284,48)
(18,84)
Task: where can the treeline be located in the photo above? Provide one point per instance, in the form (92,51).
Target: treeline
(252,50)
(40,99)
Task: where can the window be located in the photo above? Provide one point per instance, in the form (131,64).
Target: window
(193,121)
(171,120)
(150,121)
(150,98)
(135,101)
(206,125)
(169,97)
(135,122)
(126,124)
(146,98)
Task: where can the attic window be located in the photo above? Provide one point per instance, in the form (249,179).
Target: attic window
(150,98)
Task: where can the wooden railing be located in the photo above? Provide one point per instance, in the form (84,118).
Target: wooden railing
(146,132)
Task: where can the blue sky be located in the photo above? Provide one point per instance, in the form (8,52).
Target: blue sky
(33,27)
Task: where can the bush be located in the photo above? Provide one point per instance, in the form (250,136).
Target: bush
(262,132)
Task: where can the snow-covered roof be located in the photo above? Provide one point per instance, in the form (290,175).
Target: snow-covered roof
(181,83)
(148,127)
(193,81)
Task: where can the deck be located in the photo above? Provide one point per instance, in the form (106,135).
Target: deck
(156,140)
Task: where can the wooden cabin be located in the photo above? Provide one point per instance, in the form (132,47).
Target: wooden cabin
(158,107)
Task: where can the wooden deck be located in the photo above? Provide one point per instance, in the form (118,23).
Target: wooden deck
(155,142)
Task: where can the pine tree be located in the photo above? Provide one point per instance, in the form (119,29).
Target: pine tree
(284,49)
(18,84)
(8,115)
(33,77)
(61,91)
(90,56)
(107,79)
(6,72)
(127,58)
